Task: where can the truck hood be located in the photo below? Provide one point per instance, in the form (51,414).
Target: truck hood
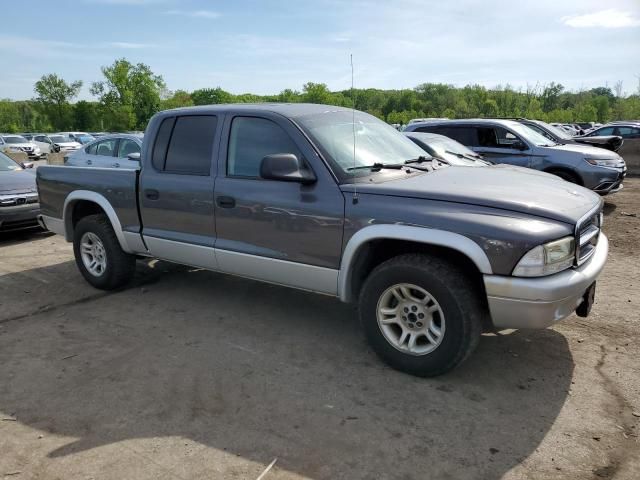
(499,186)
(17,181)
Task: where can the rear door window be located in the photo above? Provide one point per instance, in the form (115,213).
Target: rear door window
(466,135)
(627,132)
(190,148)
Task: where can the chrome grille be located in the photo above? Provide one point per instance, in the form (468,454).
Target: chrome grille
(587,235)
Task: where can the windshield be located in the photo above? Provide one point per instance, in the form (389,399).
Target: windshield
(15,139)
(84,138)
(375,141)
(59,139)
(7,165)
(558,132)
(531,135)
(445,146)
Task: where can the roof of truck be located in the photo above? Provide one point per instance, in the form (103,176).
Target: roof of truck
(287,109)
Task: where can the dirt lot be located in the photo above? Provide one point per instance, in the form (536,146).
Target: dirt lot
(192,375)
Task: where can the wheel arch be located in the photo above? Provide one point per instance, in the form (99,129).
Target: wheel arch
(81,203)
(372,245)
(555,168)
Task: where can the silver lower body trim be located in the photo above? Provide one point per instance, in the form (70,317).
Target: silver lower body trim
(516,302)
(281,272)
(183,253)
(55,225)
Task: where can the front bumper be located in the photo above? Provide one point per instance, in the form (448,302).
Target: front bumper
(610,181)
(517,302)
(19,217)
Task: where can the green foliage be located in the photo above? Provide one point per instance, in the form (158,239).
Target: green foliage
(130,94)
(210,96)
(54,95)
(177,99)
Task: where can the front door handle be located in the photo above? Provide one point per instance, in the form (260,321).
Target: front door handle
(152,194)
(226,202)
(116,165)
(89,162)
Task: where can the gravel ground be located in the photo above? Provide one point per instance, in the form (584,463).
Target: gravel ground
(189,374)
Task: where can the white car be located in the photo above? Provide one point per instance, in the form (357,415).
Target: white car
(81,137)
(55,143)
(11,143)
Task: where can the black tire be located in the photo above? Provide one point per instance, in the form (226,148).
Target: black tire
(120,266)
(566,175)
(457,297)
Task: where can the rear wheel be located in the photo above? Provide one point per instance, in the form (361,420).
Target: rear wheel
(99,256)
(420,314)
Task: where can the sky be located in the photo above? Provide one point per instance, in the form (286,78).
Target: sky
(264,47)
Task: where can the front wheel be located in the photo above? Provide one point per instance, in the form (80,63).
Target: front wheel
(99,256)
(420,314)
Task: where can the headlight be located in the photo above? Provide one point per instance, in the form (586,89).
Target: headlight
(547,259)
(603,162)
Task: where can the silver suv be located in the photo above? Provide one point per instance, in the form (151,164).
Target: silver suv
(508,141)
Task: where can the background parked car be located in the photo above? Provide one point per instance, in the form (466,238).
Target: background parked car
(81,137)
(624,130)
(559,135)
(19,207)
(55,143)
(110,151)
(446,149)
(507,141)
(15,143)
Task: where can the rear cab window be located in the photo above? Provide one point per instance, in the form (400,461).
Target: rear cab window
(184,145)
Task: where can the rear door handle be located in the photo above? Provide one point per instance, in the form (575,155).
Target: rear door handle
(116,165)
(89,162)
(226,202)
(152,194)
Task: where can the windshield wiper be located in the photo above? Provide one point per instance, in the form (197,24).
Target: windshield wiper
(474,158)
(419,159)
(377,166)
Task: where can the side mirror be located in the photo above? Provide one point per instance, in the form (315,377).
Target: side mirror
(286,168)
(135,156)
(519,145)
(26,164)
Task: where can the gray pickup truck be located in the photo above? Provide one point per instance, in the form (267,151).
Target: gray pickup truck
(337,202)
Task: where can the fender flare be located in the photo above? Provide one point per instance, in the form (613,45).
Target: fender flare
(98,199)
(428,236)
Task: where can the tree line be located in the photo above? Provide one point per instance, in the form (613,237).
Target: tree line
(129,94)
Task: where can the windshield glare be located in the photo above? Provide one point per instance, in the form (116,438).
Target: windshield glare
(15,139)
(558,132)
(446,145)
(7,165)
(375,141)
(530,135)
(59,139)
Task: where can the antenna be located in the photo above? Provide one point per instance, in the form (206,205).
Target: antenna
(353,128)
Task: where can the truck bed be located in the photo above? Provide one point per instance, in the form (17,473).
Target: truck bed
(119,187)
